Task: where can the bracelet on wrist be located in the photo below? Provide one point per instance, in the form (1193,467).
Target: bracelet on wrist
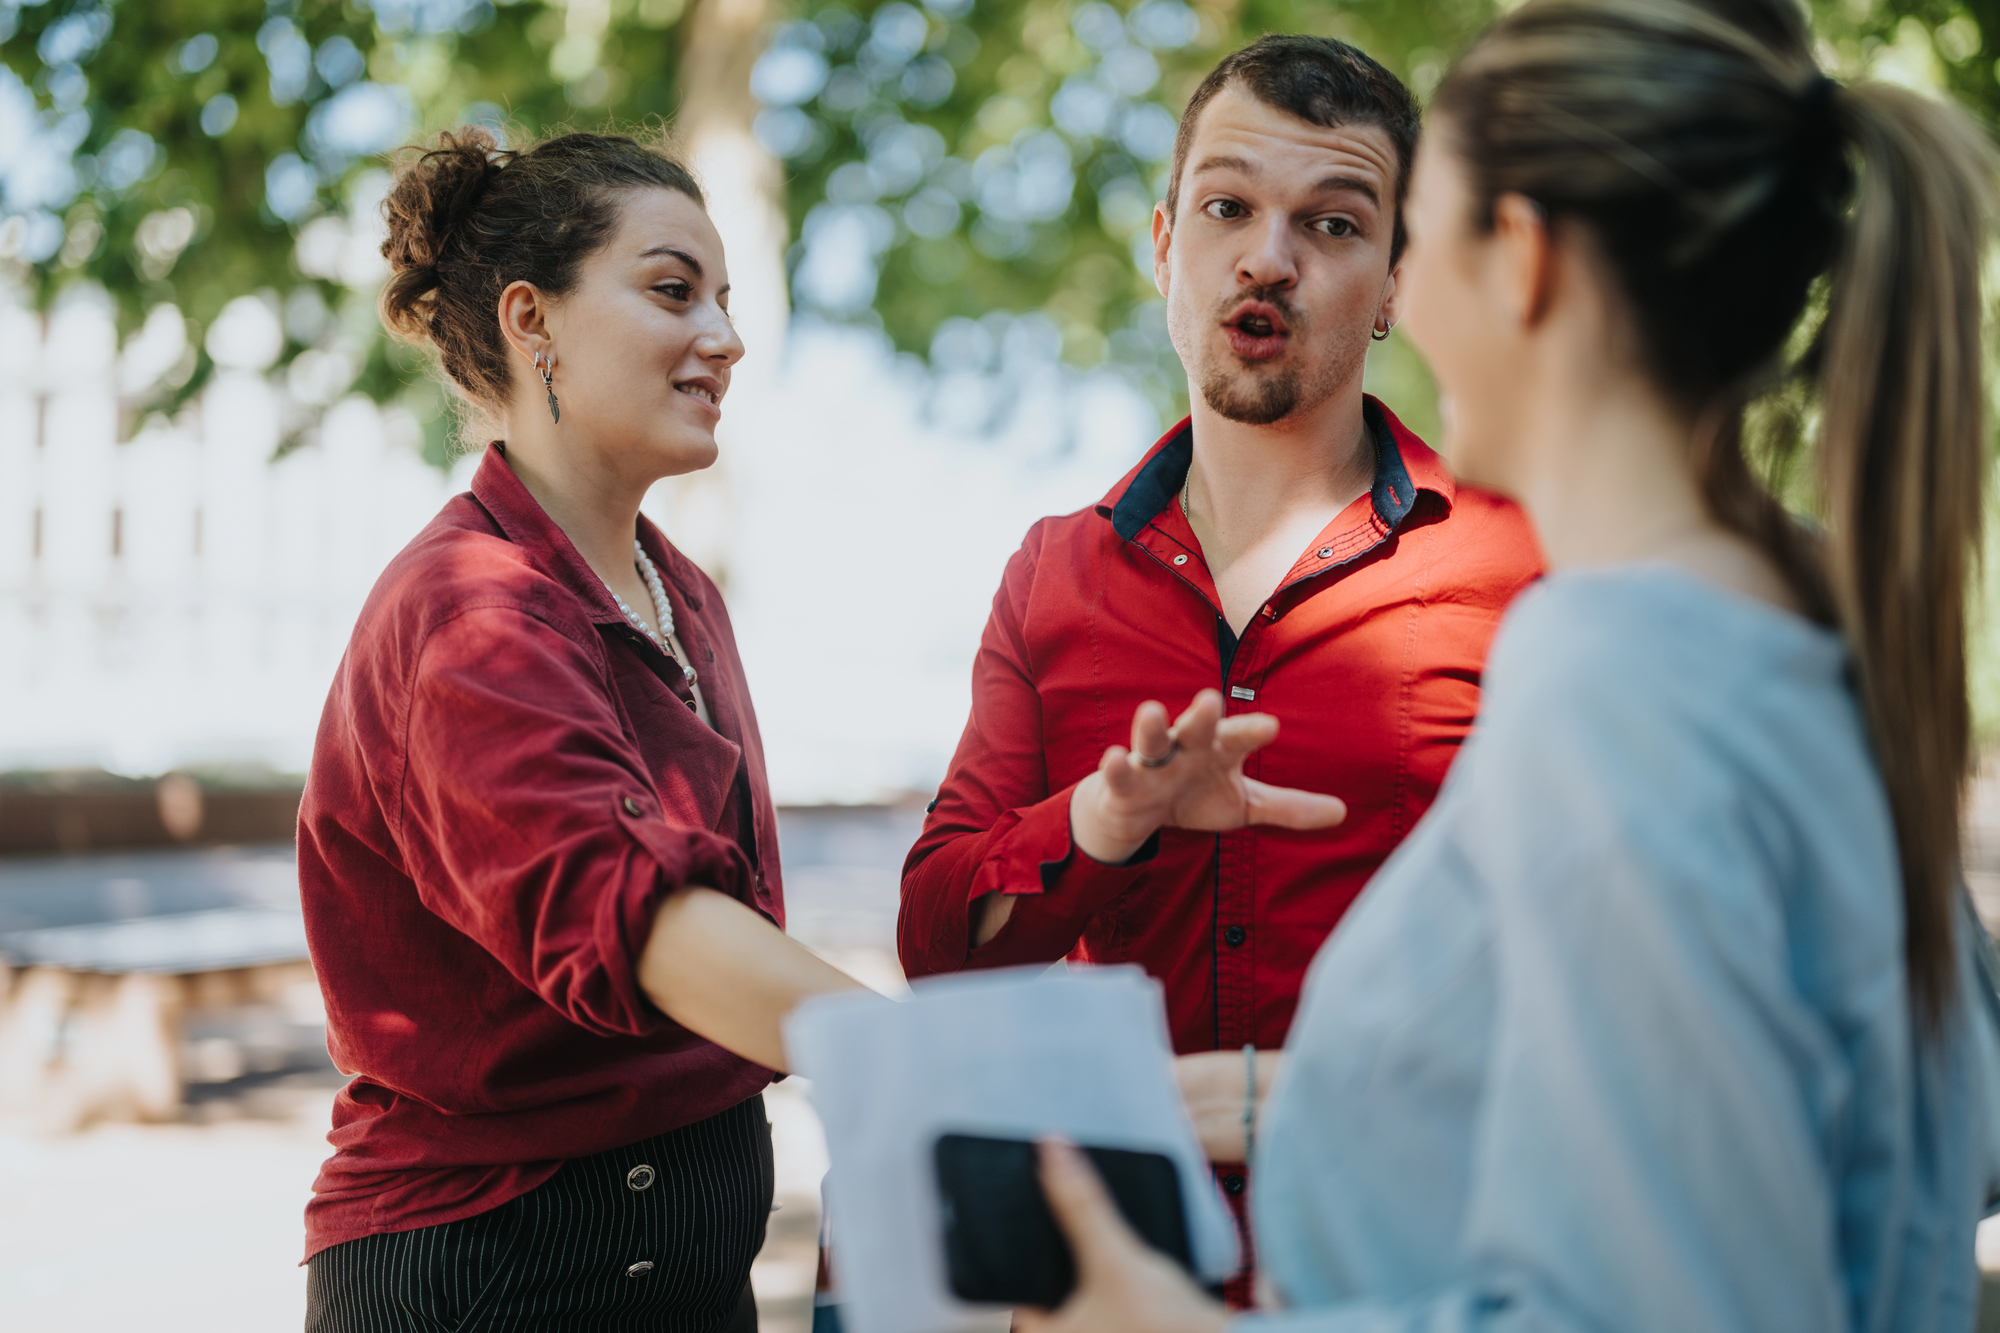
(1249,1101)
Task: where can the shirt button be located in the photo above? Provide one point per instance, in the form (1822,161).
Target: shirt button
(631,807)
(1326,553)
(639,1177)
(1180,560)
(645,1266)
(1231,1184)
(1235,936)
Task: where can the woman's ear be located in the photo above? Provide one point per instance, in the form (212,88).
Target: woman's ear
(524,321)
(1524,251)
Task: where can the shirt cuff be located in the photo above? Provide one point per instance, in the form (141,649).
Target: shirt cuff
(679,857)
(1148,849)
(1032,852)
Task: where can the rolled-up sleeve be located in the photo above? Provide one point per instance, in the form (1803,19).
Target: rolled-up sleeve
(530,823)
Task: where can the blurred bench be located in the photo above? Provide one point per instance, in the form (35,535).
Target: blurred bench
(123,980)
(86,810)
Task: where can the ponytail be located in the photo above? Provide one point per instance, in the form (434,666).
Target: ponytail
(1724,175)
(1904,459)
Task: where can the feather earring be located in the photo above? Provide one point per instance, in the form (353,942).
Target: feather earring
(547,366)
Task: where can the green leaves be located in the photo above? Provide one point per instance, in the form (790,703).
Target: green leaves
(189,152)
(969,158)
(956,168)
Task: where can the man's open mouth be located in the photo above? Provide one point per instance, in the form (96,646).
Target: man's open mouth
(1256,330)
(701,391)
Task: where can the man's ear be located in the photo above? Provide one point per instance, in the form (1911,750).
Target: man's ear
(524,320)
(1391,310)
(1163,240)
(1525,251)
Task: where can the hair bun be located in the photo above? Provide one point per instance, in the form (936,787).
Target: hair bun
(425,209)
(466,218)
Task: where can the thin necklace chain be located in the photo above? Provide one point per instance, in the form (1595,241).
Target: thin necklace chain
(662,608)
(1185,486)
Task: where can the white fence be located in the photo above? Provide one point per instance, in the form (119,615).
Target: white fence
(180,599)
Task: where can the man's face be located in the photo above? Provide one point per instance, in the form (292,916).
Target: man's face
(1276,267)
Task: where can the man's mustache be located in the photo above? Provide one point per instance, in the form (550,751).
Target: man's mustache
(1295,319)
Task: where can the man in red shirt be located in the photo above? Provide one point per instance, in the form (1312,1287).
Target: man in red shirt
(1291,558)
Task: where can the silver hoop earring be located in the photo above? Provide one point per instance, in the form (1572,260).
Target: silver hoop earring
(1379,335)
(547,366)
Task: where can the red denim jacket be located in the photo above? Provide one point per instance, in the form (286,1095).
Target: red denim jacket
(1369,653)
(506,782)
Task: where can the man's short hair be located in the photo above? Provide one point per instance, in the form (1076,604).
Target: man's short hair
(1322,81)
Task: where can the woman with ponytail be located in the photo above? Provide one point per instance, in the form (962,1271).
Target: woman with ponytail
(537,851)
(1663,1017)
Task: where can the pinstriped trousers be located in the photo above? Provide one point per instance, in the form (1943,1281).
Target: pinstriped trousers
(602,1246)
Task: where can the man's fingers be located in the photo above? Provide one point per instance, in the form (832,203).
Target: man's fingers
(1083,1208)
(1288,807)
(1149,730)
(1195,728)
(1120,778)
(1237,736)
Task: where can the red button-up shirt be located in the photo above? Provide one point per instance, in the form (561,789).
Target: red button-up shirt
(1369,653)
(506,783)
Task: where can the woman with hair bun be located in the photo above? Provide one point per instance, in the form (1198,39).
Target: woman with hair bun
(537,850)
(1663,1017)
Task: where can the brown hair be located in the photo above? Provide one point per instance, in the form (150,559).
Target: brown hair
(467,218)
(1722,174)
(1321,81)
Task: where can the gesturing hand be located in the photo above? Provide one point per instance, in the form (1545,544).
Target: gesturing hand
(1189,776)
(1121,1285)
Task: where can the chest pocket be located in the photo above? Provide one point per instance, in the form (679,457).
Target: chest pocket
(697,771)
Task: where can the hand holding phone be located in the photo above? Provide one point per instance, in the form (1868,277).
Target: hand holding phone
(1002,1244)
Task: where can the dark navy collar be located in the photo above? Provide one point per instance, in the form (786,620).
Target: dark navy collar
(1158,484)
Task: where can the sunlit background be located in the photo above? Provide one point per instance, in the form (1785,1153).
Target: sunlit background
(936,221)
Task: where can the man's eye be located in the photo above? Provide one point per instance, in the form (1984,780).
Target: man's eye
(1337,227)
(676,291)
(1225,208)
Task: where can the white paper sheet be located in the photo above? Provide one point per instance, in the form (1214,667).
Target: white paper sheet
(1011,1054)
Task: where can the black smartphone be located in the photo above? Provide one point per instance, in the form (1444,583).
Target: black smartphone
(1002,1245)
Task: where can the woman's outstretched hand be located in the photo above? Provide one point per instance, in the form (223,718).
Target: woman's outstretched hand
(1189,775)
(1122,1285)
(723,972)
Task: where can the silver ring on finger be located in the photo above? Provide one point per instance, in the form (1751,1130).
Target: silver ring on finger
(1147,761)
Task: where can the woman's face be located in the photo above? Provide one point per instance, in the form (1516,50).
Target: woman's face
(643,344)
(1460,311)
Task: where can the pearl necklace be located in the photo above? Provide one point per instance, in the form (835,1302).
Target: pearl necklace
(661,608)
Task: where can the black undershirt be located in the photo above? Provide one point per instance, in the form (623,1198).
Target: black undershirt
(1225,646)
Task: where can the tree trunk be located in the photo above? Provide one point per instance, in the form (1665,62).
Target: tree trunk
(745,186)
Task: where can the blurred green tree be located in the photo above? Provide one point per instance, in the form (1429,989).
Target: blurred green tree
(945,163)
(1925,43)
(973,177)
(960,173)
(1006,157)
(186,153)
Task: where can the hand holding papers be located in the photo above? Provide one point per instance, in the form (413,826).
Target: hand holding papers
(1008,1055)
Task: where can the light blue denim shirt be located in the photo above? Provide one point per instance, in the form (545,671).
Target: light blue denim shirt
(1619,1038)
